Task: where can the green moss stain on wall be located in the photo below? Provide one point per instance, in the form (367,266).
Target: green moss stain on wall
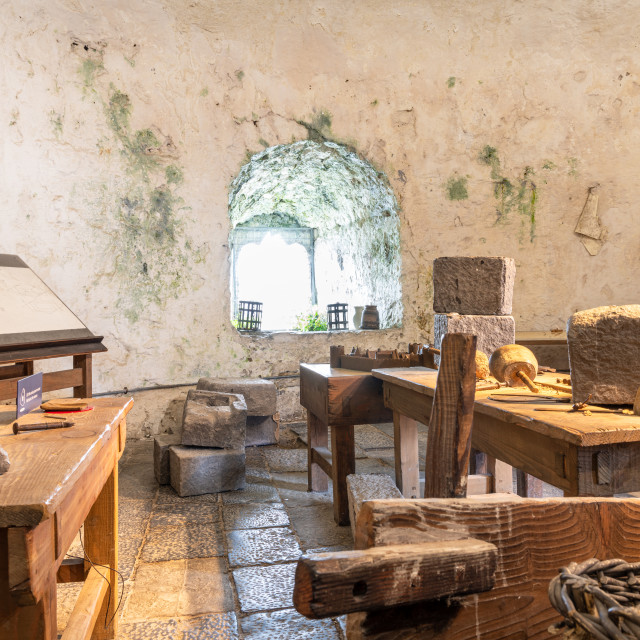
(142,215)
(451,82)
(457,188)
(518,193)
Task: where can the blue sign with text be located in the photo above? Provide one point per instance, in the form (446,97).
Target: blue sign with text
(29,394)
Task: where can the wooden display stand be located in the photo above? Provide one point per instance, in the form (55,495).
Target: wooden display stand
(36,325)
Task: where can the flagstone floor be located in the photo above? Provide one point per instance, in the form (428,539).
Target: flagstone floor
(222,566)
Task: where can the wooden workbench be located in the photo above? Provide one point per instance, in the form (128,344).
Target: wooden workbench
(596,455)
(58,480)
(340,399)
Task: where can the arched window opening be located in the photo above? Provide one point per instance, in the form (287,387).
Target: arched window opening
(312,224)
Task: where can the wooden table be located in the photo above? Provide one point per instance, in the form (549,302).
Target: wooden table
(58,480)
(340,399)
(596,455)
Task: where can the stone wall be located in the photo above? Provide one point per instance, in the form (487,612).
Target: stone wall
(125,123)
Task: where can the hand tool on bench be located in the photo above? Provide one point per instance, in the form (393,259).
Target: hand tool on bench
(40,426)
(516,365)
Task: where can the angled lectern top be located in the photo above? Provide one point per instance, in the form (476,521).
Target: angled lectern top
(35,324)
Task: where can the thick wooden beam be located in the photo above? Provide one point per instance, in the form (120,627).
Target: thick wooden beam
(317,437)
(449,442)
(534,538)
(331,584)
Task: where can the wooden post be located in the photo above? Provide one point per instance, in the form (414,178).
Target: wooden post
(317,436)
(335,356)
(101,545)
(405,435)
(449,440)
(83,362)
(528,486)
(343,464)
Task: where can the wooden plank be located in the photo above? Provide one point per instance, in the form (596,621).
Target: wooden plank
(555,461)
(314,390)
(13,371)
(84,616)
(51,381)
(76,505)
(331,584)
(323,458)
(572,427)
(317,436)
(534,538)
(71,570)
(479,484)
(12,354)
(34,488)
(408,402)
(449,444)
(85,389)
(356,400)
(405,443)
(101,546)
(343,464)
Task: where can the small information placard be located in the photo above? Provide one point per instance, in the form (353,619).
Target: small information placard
(29,394)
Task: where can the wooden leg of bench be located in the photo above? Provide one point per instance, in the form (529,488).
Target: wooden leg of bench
(405,439)
(344,463)
(317,436)
(101,545)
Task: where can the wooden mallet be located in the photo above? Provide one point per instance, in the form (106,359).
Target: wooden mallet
(516,365)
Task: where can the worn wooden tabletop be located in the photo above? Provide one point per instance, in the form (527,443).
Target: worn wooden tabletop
(45,464)
(573,427)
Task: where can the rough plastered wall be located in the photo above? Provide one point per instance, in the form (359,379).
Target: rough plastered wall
(125,122)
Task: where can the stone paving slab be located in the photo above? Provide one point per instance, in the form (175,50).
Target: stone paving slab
(263,588)
(262,546)
(286,459)
(252,492)
(291,480)
(167,495)
(304,498)
(286,625)
(187,541)
(184,513)
(316,528)
(253,516)
(133,516)
(179,588)
(128,548)
(216,626)
(168,629)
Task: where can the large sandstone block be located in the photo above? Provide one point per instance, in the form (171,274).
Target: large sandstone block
(473,286)
(261,430)
(259,395)
(604,352)
(195,470)
(492,331)
(213,419)
(161,446)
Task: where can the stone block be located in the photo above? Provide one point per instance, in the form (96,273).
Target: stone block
(604,352)
(214,419)
(368,486)
(473,286)
(261,430)
(161,446)
(259,395)
(195,470)
(492,331)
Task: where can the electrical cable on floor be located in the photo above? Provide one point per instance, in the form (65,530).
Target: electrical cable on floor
(94,565)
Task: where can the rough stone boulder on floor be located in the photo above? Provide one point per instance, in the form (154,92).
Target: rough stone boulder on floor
(213,419)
